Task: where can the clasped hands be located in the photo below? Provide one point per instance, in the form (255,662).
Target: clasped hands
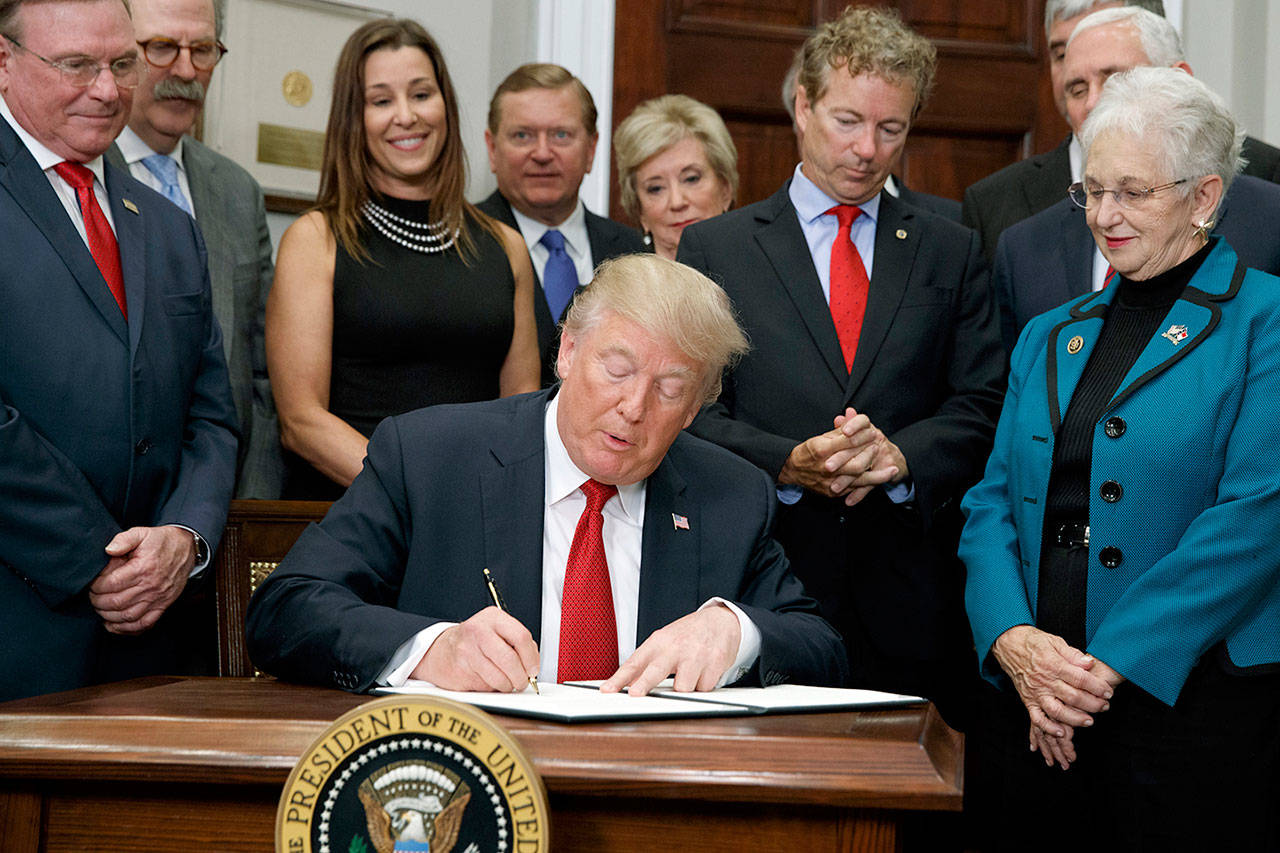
(147,569)
(848,461)
(1061,687)
(492,651)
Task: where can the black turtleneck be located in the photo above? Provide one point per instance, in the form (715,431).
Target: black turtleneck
(1133,318)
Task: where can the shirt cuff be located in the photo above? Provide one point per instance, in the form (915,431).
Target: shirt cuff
(203,557)
(790,493)
(901,493)
(748,643)
(409,655)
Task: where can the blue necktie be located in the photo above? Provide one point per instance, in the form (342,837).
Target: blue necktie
(560,278)
(165,168)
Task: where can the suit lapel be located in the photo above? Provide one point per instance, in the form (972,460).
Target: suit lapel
(1191,319)
(215,223)
(669,573)
(511,500)
(131,235)
(1069,346)
(21,176)
(782,241)
(889,275)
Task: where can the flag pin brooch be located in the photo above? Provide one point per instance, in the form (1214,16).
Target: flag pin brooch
(679,522)
(1177,333)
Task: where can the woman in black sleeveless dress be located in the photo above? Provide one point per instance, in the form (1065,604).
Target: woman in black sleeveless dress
(395,292)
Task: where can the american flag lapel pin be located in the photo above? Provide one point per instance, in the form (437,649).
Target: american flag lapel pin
(679,522)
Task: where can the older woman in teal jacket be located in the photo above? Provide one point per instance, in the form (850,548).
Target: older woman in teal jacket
(1123,547)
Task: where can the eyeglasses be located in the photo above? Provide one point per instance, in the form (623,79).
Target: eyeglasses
(82,71)
(163,52)
(1128,199)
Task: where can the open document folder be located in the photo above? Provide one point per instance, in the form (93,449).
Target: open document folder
(581,702)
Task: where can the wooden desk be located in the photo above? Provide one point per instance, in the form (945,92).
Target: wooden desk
(198,764)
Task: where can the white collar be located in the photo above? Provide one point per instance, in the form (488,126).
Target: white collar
(574,229)
(134,149)
(811,202)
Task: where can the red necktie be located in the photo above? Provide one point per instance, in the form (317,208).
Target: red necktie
(848,283)
(588,629)
(102,242)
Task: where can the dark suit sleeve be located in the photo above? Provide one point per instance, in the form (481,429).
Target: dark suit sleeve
(207,470)
(54,519)
(328,614)
(714,423)
(796,644)
(1002,283)
(946,451)
(262,473)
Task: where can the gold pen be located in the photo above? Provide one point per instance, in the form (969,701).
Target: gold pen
(497,602)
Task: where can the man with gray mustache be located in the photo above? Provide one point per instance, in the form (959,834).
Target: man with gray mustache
(181,42)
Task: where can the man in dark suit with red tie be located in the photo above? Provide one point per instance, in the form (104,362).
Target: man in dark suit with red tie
(625,548)
(875,376)
(117,430)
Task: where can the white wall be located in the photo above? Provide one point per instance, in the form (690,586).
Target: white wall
(1234,47)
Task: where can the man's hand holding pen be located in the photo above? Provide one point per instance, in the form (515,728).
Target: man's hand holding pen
(489,651)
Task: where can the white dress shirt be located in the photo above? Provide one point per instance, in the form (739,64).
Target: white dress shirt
(576,242)
(563,503)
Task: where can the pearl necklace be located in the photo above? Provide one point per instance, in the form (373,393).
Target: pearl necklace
(426,237)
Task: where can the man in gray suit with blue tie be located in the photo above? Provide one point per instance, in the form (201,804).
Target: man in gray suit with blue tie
(181,44)
(117,431)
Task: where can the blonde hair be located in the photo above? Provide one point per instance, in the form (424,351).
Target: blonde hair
(668,300)
(655,126)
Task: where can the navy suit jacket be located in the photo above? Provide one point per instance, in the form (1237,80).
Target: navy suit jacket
(449,490)
(1047,259)
(608,240)
(1025,188)
(233,222)
(928,373)
(104,424)
(946,207)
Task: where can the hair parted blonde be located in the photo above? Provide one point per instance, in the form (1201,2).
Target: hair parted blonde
(670,301)
(656,125)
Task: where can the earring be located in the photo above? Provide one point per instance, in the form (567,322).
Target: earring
(1203,228)
(648,239)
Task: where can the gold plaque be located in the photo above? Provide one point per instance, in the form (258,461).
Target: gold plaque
(1075,345)
(297,88)
(290,146)
(413,773)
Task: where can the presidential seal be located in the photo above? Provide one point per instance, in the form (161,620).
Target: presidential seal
(413,774)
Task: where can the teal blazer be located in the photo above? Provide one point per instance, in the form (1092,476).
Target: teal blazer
(1192,440)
